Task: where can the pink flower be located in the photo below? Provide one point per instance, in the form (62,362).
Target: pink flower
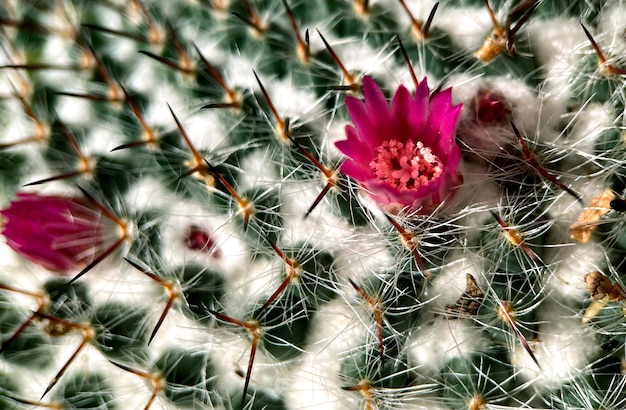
(404,155)
(60,234)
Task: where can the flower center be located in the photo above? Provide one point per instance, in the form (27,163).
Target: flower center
(407,166)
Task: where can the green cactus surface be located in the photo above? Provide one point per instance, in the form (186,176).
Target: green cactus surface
(224,260)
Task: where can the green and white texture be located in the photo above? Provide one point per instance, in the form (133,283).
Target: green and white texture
(319,340)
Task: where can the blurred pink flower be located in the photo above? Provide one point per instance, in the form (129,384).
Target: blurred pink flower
(61,234)
(404,154)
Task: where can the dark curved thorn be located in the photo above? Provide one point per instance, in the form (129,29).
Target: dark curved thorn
(280,123)
(511,322)
(115,219)
(307,42)
(213,72)
(194,152)
(90,97)
(407,238)
(604,65)
(140,118)
(35,67)
(352,85)
(247,21)
(407,61)
(132,36)
(303,46)
(437,90)
(122,366)
(190,172)
(253,348)
(99,259)
(67,364)
(220,105)
(378,317)
(170,302)
(339,88)
(102,70)
(534,164)
(94,201)
(167,62)
(26,26)
(510,32)
(429,20)
(137,266)
(243,203)
(157,326)
(307,154)
(286,281)
(18,142)
(513,236)
(133,144)
(17,333)
(55,178)
(318,199)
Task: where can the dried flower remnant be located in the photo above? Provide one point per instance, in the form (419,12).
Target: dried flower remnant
(600,286)
(602,291)
(404,155)
(469,302)
(587,222)
(61,234)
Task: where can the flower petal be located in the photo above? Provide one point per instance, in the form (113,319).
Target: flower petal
(400,108)
(447,127)
(355,170)
(400,105)
(60,234)
(354,148)
(374,98)
(451,163)
(362,120)
(385,194)
(377,107)
(418,114)
(439,108)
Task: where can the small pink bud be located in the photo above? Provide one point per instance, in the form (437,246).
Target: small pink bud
(404,155)
(487,130)
(61,234)
(491,108)
(199,239)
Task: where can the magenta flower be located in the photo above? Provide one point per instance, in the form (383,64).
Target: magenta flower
(404,155)
(60,234)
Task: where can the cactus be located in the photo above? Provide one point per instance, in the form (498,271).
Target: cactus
(194,216)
